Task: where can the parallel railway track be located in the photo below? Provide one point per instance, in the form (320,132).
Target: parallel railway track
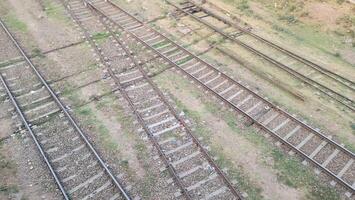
(189,164)
(320,150)
(77,168)
(333,85)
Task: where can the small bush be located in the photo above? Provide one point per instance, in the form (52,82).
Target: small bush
(243,5)
(353,126)
(289,18)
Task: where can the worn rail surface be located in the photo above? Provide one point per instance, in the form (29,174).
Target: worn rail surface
(77,168)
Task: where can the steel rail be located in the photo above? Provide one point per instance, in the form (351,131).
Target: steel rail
(67,114)
(288,52)
(34,138)
(135,111)
(307,80)
(173,111)
(351,154)
(28,127)
(166,161)
(270,104)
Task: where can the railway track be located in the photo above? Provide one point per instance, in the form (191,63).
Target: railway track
(324,153)
(77,168)
(192,169)
(333,85)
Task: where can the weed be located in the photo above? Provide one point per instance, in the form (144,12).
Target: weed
(9,189)
(100,36)
(288,18)
(125,163)
(84,111)
(37,52)
(353,126)
(243,5)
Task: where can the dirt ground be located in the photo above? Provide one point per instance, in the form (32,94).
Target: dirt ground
(240,151)
(110,125)
(104,120)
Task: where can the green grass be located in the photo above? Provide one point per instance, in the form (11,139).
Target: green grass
(70,93)
(14,23)
(55,11)
(100,37)
(91,120)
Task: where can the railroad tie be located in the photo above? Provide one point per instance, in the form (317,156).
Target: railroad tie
(206,74)
(86,183)
(291,133)
(166,130)
(245,100)
(330,158)
(190,156)
(219,85)
(215,193)
(235,95)
(300,145)
(345,168)
(281,125)
(200,183)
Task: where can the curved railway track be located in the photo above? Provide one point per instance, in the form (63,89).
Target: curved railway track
(320,150)
(77,168)
(189,164)
(335,86)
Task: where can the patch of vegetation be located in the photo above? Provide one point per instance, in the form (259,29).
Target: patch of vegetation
(353,127)
(8,189)
(55,11)
(340,1)
(290,19)
(90,119)
(100,36)
(243,5)
(180,62)
(14,23)
(37,52)
(70,93)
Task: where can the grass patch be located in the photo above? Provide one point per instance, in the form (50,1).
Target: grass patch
(9,189)
(100,37)
(91,120)
(14,23)
(70,93)
(55,11)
